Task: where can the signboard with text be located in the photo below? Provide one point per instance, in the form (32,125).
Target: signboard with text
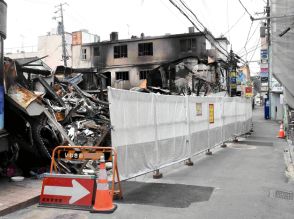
(264,54)
(67,190)
(211,113)
(198,109)
(248,91)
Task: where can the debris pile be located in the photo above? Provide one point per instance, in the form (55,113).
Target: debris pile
(47,108)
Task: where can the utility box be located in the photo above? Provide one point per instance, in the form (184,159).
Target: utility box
(266,109)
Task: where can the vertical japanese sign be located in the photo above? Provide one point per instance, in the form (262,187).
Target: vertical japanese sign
(198,109)
(248,91)
(211,113)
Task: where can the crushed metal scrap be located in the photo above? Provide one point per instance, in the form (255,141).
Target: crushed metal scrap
(50,108)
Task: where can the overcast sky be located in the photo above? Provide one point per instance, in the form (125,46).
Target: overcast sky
(28,19)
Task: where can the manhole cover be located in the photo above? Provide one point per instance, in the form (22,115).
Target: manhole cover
(282,195)
(242,146)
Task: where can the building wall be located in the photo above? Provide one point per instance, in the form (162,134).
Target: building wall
(165,49)
(276,107)
(77,61)
(51,46)
(134,76)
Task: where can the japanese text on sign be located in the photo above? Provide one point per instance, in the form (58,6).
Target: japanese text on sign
(211,113)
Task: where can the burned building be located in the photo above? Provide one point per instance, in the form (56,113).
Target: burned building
(127,63)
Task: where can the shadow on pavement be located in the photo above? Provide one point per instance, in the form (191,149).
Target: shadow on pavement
(163,194)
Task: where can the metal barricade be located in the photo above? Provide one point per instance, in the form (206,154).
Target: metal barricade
(88,153)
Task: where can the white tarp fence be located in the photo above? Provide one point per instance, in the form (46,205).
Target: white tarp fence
(151,131)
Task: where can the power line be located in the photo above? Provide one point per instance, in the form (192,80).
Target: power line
(205,32)
(251,17)
(248,38)
(250,49)
(228,20)
(185,5)
(239,19)
(254,50)
(172,12)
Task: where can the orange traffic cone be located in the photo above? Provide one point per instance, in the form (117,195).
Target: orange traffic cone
(103,197)
(281,132)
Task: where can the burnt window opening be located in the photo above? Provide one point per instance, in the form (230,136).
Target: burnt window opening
(122,75)
(96,51)
(143,74)
(120,51)
(187,44)
(84,54)
(145,49)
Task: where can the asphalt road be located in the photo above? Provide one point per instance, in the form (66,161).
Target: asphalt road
(244,180)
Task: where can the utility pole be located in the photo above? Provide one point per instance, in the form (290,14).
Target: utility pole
(267,10)
(64,53)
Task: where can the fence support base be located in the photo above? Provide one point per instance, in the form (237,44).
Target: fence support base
(223,145)
(235,139)
(208,152)
(157,175)
(189,162)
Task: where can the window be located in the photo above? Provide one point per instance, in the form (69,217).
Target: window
(187,44)
(143,74)
(145,49)
(96,51)
(122,75)
(120,51)
(84,54)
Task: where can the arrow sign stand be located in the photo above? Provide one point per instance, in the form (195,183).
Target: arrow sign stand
(67,191)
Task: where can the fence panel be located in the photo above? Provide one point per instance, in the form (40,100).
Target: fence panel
(152,131)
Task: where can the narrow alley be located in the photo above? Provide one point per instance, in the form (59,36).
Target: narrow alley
(245,180)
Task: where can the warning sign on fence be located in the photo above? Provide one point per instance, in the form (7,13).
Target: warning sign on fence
(198,109)
(211,113)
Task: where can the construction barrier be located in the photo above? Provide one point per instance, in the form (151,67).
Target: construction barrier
(80,191)
(152,131)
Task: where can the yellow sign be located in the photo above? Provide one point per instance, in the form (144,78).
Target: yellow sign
(232,74)
(198,109)
(211,113)
(233,86)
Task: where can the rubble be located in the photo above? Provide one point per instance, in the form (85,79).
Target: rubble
(47,110)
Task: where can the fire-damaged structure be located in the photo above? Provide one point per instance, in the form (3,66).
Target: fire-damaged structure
(49,108)
(188,75)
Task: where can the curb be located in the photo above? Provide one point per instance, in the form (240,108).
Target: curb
(288,156)
(19,206)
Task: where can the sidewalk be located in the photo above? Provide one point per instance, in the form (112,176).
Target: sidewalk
(18,195)
(244,180)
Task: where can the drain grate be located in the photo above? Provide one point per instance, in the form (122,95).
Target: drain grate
(284,195)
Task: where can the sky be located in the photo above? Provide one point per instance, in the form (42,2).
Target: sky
(28,19)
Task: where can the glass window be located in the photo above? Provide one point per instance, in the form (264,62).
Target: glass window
(120,51)
(122,75)
(145,49)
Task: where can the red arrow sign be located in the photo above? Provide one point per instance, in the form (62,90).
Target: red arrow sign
(67,190)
